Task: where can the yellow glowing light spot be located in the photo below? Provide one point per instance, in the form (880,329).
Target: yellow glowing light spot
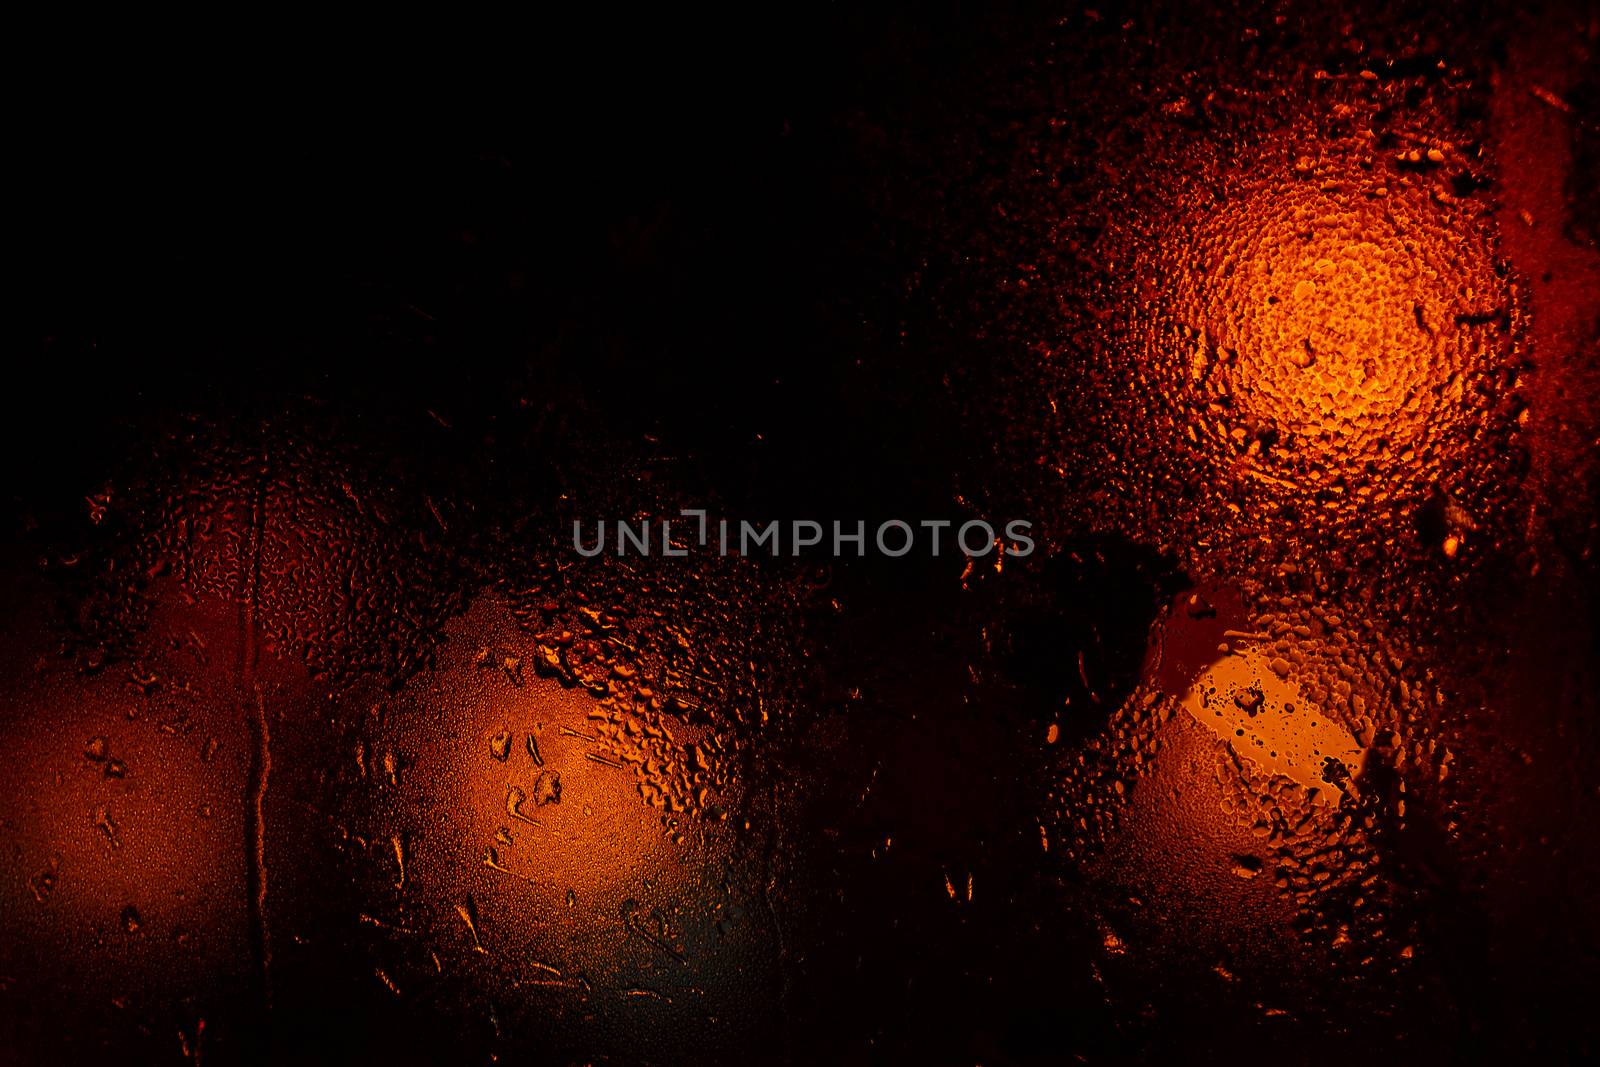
(1266,720)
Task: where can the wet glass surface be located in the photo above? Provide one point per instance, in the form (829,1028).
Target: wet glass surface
(1280,326)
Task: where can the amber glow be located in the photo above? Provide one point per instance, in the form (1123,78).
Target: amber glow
(528,835)
(1266,720)
(1336,324)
